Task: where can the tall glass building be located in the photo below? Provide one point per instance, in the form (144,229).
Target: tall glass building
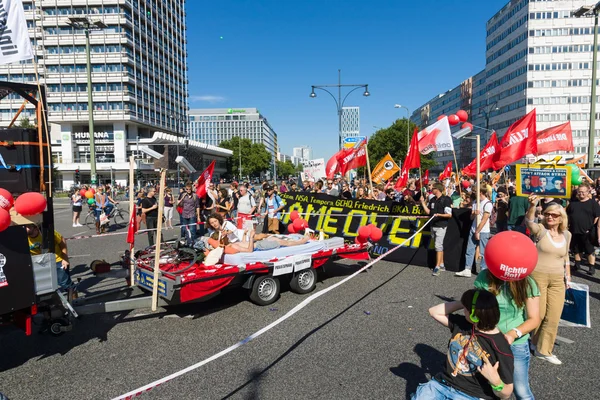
(139,78)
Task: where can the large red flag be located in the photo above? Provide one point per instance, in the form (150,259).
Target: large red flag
(518,141)
(204,180)
(412,160)
(426,177)
(133,228)
(447,172)
(554,139)
(488,156)
(332,167)
(352,158)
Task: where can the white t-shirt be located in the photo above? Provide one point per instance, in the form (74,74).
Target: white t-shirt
(245,204)
(487,208)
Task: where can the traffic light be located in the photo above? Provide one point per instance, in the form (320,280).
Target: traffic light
(77,176)
(139,175)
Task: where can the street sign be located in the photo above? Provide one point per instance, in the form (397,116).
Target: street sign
(350,142)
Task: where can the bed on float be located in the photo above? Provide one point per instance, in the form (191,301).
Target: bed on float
(259,272)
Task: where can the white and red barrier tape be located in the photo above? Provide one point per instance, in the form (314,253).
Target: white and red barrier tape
(304,303)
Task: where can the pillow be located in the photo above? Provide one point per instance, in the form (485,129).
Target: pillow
(214,256)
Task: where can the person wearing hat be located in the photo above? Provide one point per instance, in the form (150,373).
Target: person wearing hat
(439,206)
(501,208)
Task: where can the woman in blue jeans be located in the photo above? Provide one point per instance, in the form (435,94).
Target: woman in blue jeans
(519,303)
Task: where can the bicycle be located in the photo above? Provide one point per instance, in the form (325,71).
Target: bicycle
(117,216)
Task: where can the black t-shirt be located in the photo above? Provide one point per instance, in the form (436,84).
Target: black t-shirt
(443,205)
(581,216)
(346,195)
(148,202)
(463,375)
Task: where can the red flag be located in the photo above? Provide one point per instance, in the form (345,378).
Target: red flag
(518,141)
(426,178)
(133,228)
(447,172)
(352,158)
(332,166)
(204,179)
(488,156)
(555,138)
(412,160)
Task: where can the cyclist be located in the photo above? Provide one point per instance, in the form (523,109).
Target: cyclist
(102,205)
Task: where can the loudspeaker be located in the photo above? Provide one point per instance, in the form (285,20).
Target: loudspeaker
(20,160)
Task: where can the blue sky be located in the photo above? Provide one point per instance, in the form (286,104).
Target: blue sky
(272,51)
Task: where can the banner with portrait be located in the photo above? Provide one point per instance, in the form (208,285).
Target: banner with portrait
(543,180)
(342,218)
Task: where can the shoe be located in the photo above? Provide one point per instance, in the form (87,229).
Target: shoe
(552,359)
(465,273)
(74,225)
(436,271)
(592,270)
(78,225)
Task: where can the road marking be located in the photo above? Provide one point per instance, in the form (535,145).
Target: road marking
(562,339)
(80,255)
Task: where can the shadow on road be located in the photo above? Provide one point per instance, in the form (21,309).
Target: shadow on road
(432,362)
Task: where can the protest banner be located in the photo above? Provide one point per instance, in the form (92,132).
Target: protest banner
(313,170)
(342,218)
(544,180)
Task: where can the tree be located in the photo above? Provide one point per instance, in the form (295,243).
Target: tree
(254,157)
(25,123)
(393,140)
(285,169)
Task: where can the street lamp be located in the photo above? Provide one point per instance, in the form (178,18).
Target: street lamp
(588,11)
(339,102)
(486,111)
(88,25)
(407,121)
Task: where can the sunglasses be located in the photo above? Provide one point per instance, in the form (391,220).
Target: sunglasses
(552,215)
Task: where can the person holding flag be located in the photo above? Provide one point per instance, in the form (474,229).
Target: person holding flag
(439,207)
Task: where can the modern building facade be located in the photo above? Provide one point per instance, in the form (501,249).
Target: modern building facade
(350,122)
(215,125)
(538,55)
(302,153)
(139,79)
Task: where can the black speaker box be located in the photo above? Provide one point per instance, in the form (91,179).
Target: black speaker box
(20,163)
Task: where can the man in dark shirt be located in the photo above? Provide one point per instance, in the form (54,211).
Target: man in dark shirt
(150,208)
(440,208)
(583,217)
(190,214)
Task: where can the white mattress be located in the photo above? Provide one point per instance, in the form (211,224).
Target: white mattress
(282,252)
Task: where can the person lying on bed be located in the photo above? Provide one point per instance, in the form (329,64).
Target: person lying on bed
(251,240)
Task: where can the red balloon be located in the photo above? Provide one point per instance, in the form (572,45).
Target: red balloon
(453,119)
(93,190)
(512,265)
(297,225)
(304,223)
(462,115)
(4,219)
(82,192)
(465,184)
(467,125)
(291,228)
(376,234)
(31,203)
(360,240)
(441,117)
(294,215)
(6,199)
(364,231)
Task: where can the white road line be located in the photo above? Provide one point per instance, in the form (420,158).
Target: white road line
(80,255)
(562,339)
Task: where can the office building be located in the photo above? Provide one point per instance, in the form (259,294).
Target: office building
(302,153)
(538,55)
(215,125)
(139,82)
(350,122)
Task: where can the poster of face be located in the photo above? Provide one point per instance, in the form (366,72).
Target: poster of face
(548,181)
(3,281)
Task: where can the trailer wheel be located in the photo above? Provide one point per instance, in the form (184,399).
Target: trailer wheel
(57,326)
(265,290)
(304,281)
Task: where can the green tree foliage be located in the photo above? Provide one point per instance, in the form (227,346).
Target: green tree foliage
(254,157)
(285,169)
(393,140)
(25,123)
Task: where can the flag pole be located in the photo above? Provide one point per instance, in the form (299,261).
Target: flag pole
(131,207)
(161,206)
(368,166)
(457,174)
(42,111)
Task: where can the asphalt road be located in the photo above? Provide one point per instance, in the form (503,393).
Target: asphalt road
(370,338)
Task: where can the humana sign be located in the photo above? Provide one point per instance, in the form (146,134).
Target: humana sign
(233,110)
